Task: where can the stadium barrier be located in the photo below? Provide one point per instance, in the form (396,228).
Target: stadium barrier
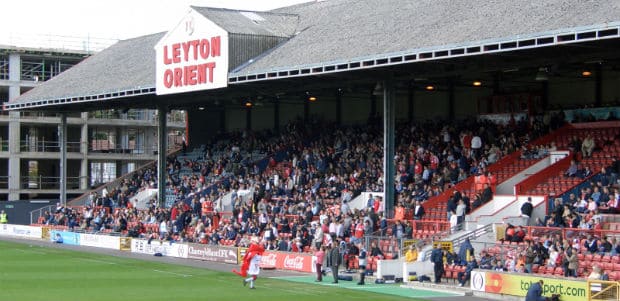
(301,262)
(20,231)
(599,290)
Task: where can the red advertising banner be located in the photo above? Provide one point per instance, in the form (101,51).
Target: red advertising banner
(213,253)
(301,262)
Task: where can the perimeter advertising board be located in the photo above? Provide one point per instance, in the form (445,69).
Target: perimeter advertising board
(100,241)
(300,262)
(212,253)
(165,248)
(192,56)
(518,284)
(67,238)
(20,231)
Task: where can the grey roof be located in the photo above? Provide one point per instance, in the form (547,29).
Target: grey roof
(128,65)
(253,23)
(339,30)
(344,31)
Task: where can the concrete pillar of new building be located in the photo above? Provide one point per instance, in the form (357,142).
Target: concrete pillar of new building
(14,129)
(62,139)
(162,138)
(84,184)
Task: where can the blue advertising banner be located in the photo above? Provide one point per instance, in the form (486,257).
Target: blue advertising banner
(69,238)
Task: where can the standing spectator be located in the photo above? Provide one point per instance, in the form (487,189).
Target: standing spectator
(334,260)
(4,219)
(437,260)
(526,209)
(320,255)
(362,263)
(418,211)
(571,267)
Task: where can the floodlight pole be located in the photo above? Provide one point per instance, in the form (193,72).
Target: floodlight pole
(162,136)
(389,118)
(62,141)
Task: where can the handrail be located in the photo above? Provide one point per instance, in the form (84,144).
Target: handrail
(81,200)
(553,169)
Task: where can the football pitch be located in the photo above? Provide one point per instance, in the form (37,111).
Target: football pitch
(33,273)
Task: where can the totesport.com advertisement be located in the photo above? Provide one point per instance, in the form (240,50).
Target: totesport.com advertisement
(517,285)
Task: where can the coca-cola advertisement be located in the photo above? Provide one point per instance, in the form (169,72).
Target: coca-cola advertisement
(287,261)
(269,260)
(213,253)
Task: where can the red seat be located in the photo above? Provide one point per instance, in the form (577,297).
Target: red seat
(559,271)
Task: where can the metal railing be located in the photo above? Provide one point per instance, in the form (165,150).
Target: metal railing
(4,182)
(47,146)
(41,182)
(38,213)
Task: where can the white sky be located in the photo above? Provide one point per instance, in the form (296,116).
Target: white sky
(69,23)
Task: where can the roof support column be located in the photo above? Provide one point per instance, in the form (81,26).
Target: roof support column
(162,111)
(84,153)
(389,121)
(62,139)
(598,85)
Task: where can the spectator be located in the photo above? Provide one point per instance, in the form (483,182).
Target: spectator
(463,277)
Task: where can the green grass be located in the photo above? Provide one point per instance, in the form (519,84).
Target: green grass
(36,273)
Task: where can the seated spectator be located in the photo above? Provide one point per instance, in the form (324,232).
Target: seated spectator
(572,170)
(412,254)
(596,273)
(486,260)
(463,277)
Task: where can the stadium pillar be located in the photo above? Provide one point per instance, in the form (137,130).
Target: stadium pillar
(389,121)
(62,140)
(162,138)
(598,85)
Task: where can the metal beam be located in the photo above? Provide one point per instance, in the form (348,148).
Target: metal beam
(389,120)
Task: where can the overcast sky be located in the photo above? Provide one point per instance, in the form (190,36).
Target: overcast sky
(70,23)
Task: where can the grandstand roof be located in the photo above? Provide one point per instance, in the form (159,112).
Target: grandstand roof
(253,23)
(342,35)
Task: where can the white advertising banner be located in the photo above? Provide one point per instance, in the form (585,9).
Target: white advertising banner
(165,248)
(100,241)
(192,56)
(20,230)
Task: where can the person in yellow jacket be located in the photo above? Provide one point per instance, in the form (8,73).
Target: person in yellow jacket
(412,254)
(3,218)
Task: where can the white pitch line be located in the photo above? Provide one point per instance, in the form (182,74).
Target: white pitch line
(30,251)
(178,274)
(98,261)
